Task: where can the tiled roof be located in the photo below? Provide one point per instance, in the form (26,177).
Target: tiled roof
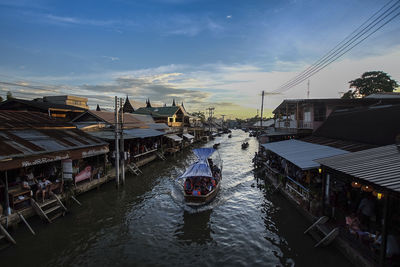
(158,111)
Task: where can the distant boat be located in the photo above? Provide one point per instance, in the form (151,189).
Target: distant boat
(216,145)
(245,145)
(202,178)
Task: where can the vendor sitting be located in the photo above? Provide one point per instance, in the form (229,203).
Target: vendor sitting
(43,188)
(353,223)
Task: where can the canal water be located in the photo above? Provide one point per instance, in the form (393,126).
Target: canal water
(147,223)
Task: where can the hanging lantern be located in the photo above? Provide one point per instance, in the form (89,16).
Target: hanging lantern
(377,195)
(367,188)
(355,185)
(319,170)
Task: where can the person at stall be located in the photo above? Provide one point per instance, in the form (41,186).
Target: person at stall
(392,246)
(25,184)
(353,223)
(43,188)
(366,210)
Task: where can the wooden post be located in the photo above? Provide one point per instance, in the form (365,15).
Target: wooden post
(287,118)
(382,256)
(8,210)
(297,115)
(105,165)
(26,223)
(262,109)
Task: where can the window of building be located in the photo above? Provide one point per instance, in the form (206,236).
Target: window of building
(319,112)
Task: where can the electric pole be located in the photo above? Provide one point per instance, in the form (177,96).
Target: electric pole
(116,142)
(210,114)
(121,117)
(308,89)
(262,109)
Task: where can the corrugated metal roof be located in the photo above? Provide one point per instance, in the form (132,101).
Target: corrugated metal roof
(128,134)
(130,120)
(376,123)
(40,105)
(350,146)
(188,136)
(380,166)
(143,117)
(27,142)
(143,133)
(105,135)
(158,126)
(265,123)
(10,119)
(302,154)
(174,137)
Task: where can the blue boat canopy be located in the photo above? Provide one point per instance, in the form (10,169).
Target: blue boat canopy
(201,167)
(203,153)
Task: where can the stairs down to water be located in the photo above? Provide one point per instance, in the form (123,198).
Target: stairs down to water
(160,155)
(49,210)
(134,169)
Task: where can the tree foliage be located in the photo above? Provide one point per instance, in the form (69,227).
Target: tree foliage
(371,82)
(349,95)
(200,115)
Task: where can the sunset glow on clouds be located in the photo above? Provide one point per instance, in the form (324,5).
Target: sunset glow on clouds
(199,52)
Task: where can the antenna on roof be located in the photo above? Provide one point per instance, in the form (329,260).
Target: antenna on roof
(308,89)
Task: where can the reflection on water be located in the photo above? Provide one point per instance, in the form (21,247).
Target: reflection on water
(195,228)
(146,222)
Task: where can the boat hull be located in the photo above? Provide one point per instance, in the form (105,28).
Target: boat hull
(196,201)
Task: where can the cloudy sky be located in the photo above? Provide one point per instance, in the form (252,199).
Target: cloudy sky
(204,53)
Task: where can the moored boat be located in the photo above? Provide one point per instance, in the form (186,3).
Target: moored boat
(216,145)
(245,145)
(202,178)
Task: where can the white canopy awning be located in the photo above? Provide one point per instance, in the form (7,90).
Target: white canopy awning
(174,137)
(188,136)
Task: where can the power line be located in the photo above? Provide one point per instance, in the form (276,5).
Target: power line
(337,51)
(336,47)
(338,56)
